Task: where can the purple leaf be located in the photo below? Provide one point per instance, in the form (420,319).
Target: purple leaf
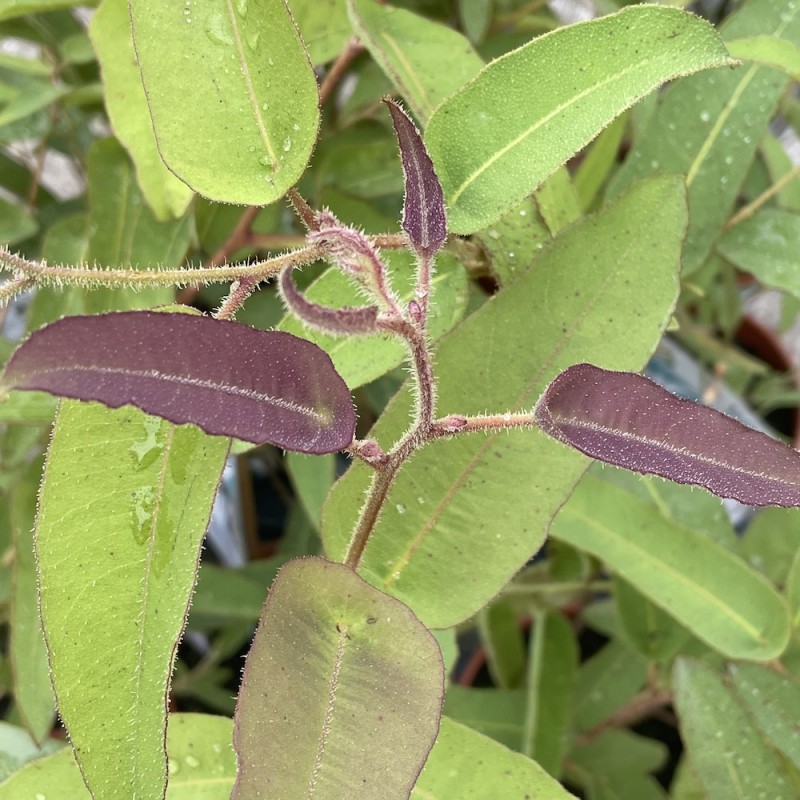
(423,211)
(346,321)
(628,420)
(226,378)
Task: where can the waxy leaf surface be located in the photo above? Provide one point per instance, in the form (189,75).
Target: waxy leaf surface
(123,508)
(425,61)
(454,516)
(423,209)
(235,72)
(342,691)
(468,765)
(708,127)
(126,104)
(627,420)
(228,379)
(202,765)
(708,589)
(727,751)
(496,140)
(766,246)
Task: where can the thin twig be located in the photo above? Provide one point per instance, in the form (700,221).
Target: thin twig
(751,208)
(338,68)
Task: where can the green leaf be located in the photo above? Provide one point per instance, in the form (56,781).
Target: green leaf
(615,765)
(774,701)
(33,692)
(497,713)
(324,27)
(33,98)
(361,359)
(312,478)
(16,224)
(350,683)
(502,641)
(126,104)
(769,50)
(123,231)
(557,201)
(425,61)
(766,246)
(514,241)
(495,141)
(467,765)
(202,766)
(475,16)
(727,751)
(600,158)
(224,596)
(455,515)
(124,505)
(552,668)
(706,587)
(238,72)
(715,121)
(653,632)
(770,543)
(18,748)
(18,8)
(605,682)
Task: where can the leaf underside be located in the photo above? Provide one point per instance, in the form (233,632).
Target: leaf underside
(627,420)
(226,378)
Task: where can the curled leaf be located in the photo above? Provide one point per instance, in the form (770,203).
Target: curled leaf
(424,217)
(334,321)
(627,420)
(226,378)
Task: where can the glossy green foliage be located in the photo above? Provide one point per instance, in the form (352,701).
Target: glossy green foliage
(578,212)
(351,682)
(324,26)
(765,245)
(33,691)
(436,527)
(425,61)
(729,754)
(457,766)
(495,141)
(201,760)
(714,122)
(552,668)
(127,109)
(770,50)
(247,85)
(124,537)
(708,589)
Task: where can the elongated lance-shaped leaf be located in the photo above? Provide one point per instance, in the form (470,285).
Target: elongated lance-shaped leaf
(627,420)
(496,139)
(239,72)
(350,320)
(123,507)
(342,691)
(424,217)
(226,378)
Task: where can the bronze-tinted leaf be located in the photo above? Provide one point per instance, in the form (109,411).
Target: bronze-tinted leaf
(341,694)
(226,378)
(625,419)
(423,210)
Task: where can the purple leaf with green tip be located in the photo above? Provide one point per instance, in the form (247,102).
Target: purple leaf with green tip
(347,321)
(226,378)
(627,420)
(424,217)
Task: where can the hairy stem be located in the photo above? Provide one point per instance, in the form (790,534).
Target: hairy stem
(94,277)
